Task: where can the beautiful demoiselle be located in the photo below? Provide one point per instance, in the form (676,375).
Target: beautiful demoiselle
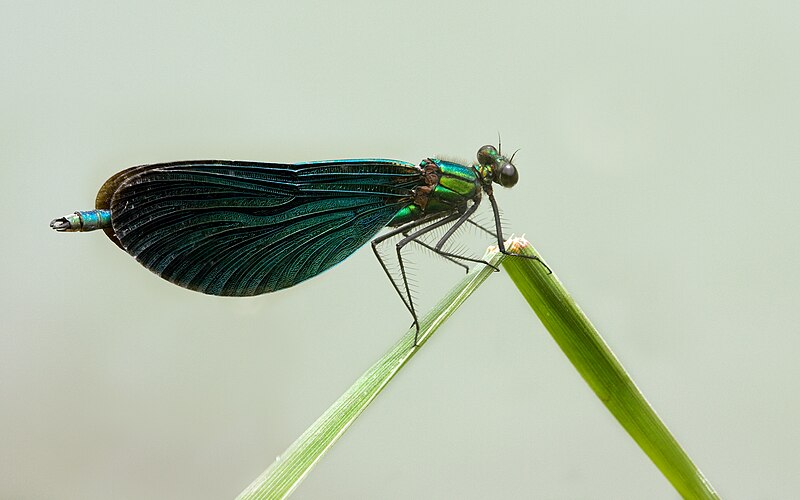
(244,228)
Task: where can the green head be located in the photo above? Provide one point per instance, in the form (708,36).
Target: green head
(494,167)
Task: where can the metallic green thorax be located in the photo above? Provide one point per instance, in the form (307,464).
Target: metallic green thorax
(448,186)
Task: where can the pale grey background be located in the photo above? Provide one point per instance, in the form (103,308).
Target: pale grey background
(659,176)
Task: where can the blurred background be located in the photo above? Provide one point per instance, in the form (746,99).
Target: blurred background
(659,177)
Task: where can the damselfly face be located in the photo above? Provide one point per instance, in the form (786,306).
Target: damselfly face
(497,168)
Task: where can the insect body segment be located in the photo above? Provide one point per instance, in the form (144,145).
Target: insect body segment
(88,220)
(448,186)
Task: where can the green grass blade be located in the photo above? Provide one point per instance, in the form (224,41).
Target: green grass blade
(286,473)
(593,359)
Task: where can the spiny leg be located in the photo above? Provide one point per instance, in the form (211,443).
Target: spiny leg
(501,245)
(464,217)
(479,226)
(503,250)
(408,239)
(446,257)
(458,218)
(450,232)
(453,256)
(461,216)
(404,229)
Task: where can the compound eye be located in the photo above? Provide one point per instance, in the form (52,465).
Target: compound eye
(506,174)
(487,155)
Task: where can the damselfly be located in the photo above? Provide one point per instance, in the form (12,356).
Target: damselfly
(244,228)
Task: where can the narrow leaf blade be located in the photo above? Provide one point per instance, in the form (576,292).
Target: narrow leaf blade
(594,360)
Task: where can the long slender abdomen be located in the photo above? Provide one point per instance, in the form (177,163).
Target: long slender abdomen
(88,220)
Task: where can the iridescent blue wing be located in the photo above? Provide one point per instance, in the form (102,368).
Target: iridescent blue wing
(245,228)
